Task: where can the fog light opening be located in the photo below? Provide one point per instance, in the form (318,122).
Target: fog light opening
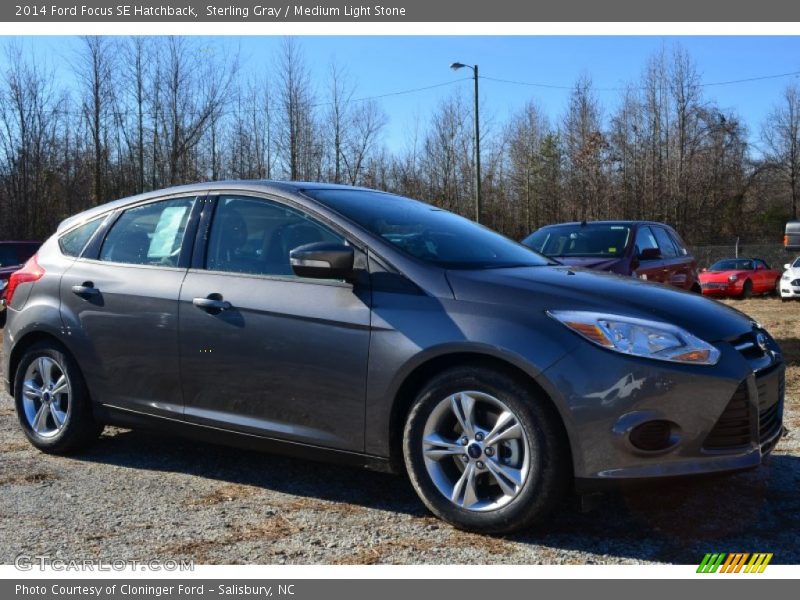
(653,436)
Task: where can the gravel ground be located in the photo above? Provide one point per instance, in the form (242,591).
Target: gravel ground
(140,496)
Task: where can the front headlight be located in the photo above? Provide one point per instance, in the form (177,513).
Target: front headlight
(785,277)
(732,278)
(639,337)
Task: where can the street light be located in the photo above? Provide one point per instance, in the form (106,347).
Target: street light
(456,66)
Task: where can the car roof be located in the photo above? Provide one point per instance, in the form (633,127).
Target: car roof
(261,185)
(629,223)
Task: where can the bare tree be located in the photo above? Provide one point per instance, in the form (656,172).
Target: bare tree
(295,117)
(781,136)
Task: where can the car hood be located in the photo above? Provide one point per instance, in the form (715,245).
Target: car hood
(564,288)
(600,264)
(717,276)
(793,273)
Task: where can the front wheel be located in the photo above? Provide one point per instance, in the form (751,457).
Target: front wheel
(747,290)
(52,401)
(484,452)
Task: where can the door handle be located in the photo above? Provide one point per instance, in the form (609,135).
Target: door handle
(85,289)
(214,302)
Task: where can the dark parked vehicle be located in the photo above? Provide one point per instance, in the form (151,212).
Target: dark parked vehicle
(12,256)
(357,325)
(643,249)
(791,236)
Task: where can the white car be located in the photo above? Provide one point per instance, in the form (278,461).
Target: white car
(790,280)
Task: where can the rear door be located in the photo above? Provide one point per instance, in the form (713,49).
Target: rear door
(119,302)
(286,357)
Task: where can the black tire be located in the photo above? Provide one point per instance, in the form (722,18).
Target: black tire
(747,289)
(550,470)
(80,428)
(2,318)
(776,290)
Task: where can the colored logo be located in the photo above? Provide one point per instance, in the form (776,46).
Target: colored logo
(735,562)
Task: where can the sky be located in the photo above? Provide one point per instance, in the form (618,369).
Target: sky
(380,65)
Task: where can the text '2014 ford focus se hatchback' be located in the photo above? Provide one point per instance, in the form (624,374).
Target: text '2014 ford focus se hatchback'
(382,331)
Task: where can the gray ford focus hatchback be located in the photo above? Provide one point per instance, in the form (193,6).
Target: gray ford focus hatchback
(356,325)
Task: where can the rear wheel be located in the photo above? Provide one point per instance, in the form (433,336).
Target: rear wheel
(747,290)
(776,290)
(52,401)
(484,452)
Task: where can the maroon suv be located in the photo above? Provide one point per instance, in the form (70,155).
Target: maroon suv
(12,256)
(643,249)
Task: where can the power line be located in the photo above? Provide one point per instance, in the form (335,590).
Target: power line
(401,92)
(622,89)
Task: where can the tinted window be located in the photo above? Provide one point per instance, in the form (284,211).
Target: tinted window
(73,242)
(151,234)
(8,255)
(644,240)
(426,232)
(680,245)
(591,239)
(760,264)
(739,264)
(665,243)
(255,236)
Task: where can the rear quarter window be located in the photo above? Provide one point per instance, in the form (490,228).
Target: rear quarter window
(73,242)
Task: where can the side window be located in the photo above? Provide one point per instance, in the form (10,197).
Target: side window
(250,235)
(680,245)
(644,240)
(760,264)
(73,242)
(151,234)
(8,255)
(665,243)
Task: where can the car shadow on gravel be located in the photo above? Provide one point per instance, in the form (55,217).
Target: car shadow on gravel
(754,511)
(141,449)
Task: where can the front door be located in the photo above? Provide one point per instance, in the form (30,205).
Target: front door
(650,268)
(264,351)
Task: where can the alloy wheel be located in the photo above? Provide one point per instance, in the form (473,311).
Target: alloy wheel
(46,396)
(476,451)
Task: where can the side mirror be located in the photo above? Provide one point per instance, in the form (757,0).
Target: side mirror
(650,254)
(787,266)
(323,260)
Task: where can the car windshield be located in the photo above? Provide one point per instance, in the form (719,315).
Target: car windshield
(796,263)
(603,240)
(732,264)
(427,232)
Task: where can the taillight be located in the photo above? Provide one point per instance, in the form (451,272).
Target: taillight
(30,272)
(785,241)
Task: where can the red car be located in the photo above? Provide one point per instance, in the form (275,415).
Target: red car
(739,277)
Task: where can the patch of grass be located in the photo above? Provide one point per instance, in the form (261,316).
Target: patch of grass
(224,493)
(27,478)
(383,552)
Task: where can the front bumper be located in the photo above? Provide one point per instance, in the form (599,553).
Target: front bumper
(721,418)
(721,289)
(789,291)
